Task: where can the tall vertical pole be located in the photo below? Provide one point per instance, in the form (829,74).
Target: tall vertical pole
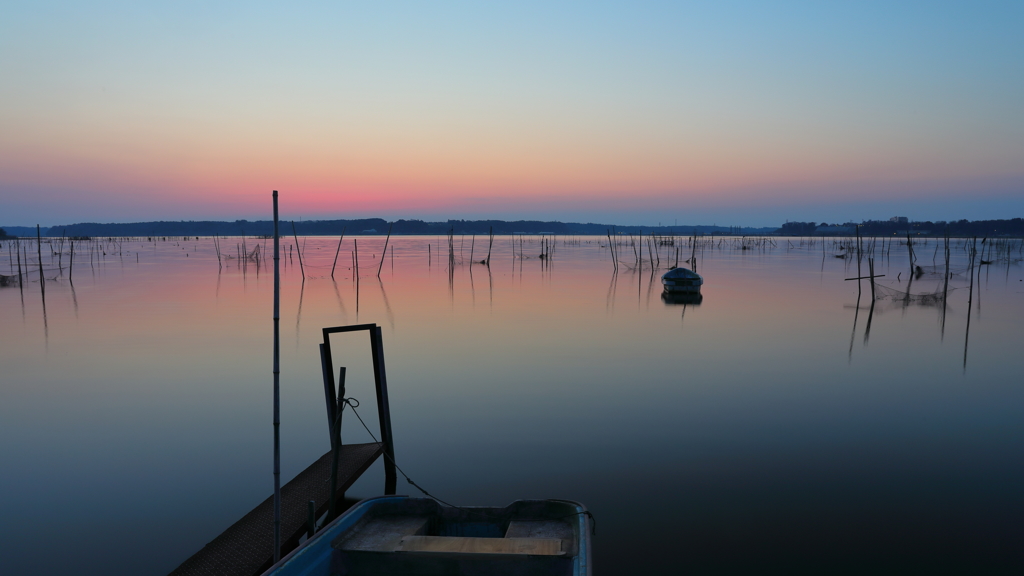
(383,409)
(277,386)
(297,249)
(332,509)
(386,240)
(338,251)
(39,254)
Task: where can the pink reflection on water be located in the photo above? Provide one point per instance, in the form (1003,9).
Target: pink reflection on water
(156,364)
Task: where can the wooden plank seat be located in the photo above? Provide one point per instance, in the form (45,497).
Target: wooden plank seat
(247,547)
(470,545)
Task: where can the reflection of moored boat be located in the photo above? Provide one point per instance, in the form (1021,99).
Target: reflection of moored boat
(402,535)
(692,298)
(682,280)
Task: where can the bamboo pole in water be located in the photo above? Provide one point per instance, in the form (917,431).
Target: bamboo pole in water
(871,271)
(611,249)
(970,297)
(39,253)
(857,229)
(638,255)
(277,386)
(385,252)
(17,249)
(338,251)
(489,245)
(301,267)
(945,283)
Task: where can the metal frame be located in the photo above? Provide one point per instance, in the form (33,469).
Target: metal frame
(381,385)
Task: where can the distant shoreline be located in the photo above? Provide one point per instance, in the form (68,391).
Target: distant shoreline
(378,226)
(368,226)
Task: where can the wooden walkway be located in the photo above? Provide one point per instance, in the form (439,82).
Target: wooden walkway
(247,547)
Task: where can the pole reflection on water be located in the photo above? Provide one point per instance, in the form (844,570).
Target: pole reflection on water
(746,434)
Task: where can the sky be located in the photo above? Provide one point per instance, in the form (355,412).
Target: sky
(728,113)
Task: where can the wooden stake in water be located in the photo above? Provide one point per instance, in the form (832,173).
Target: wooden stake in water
(18,251)
(338,251)
(384,253)
(490,245)
(299,250)
(277,386)
(39,253)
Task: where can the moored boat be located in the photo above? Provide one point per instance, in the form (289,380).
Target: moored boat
(682,280)
(421,537)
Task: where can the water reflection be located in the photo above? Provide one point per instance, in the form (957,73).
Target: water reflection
(490,282)
(970,297)
(610,298)
(682,298)
(341,304)
(770,413)
(856,313)
(74,297)
(298,311)
(387,305)
(650,286)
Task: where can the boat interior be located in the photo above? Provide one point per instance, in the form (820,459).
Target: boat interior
(420,537)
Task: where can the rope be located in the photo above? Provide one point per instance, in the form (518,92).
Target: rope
(354,403)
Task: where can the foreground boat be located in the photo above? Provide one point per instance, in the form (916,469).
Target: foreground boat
(394,535)
(682,280)
(419,537)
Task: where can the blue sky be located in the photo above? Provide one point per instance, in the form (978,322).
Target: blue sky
(715,112)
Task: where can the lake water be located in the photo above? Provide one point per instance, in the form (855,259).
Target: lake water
(776,425)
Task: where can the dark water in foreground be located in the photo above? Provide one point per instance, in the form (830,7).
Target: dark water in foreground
(776,426)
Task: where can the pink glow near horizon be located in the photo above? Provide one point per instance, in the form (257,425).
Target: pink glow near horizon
(441,113)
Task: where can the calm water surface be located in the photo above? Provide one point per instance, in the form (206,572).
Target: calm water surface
(779,424)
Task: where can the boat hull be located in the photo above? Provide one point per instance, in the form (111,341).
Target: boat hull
(419,536)
(682,281)
(682,288)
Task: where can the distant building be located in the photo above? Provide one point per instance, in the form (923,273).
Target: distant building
(899,219)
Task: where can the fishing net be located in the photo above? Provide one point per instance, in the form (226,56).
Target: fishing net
(936,298)
(31,274)
(938,271)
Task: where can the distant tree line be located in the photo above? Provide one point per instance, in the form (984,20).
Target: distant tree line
(962,228)
(375,226)
(798,229)
(980,228)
